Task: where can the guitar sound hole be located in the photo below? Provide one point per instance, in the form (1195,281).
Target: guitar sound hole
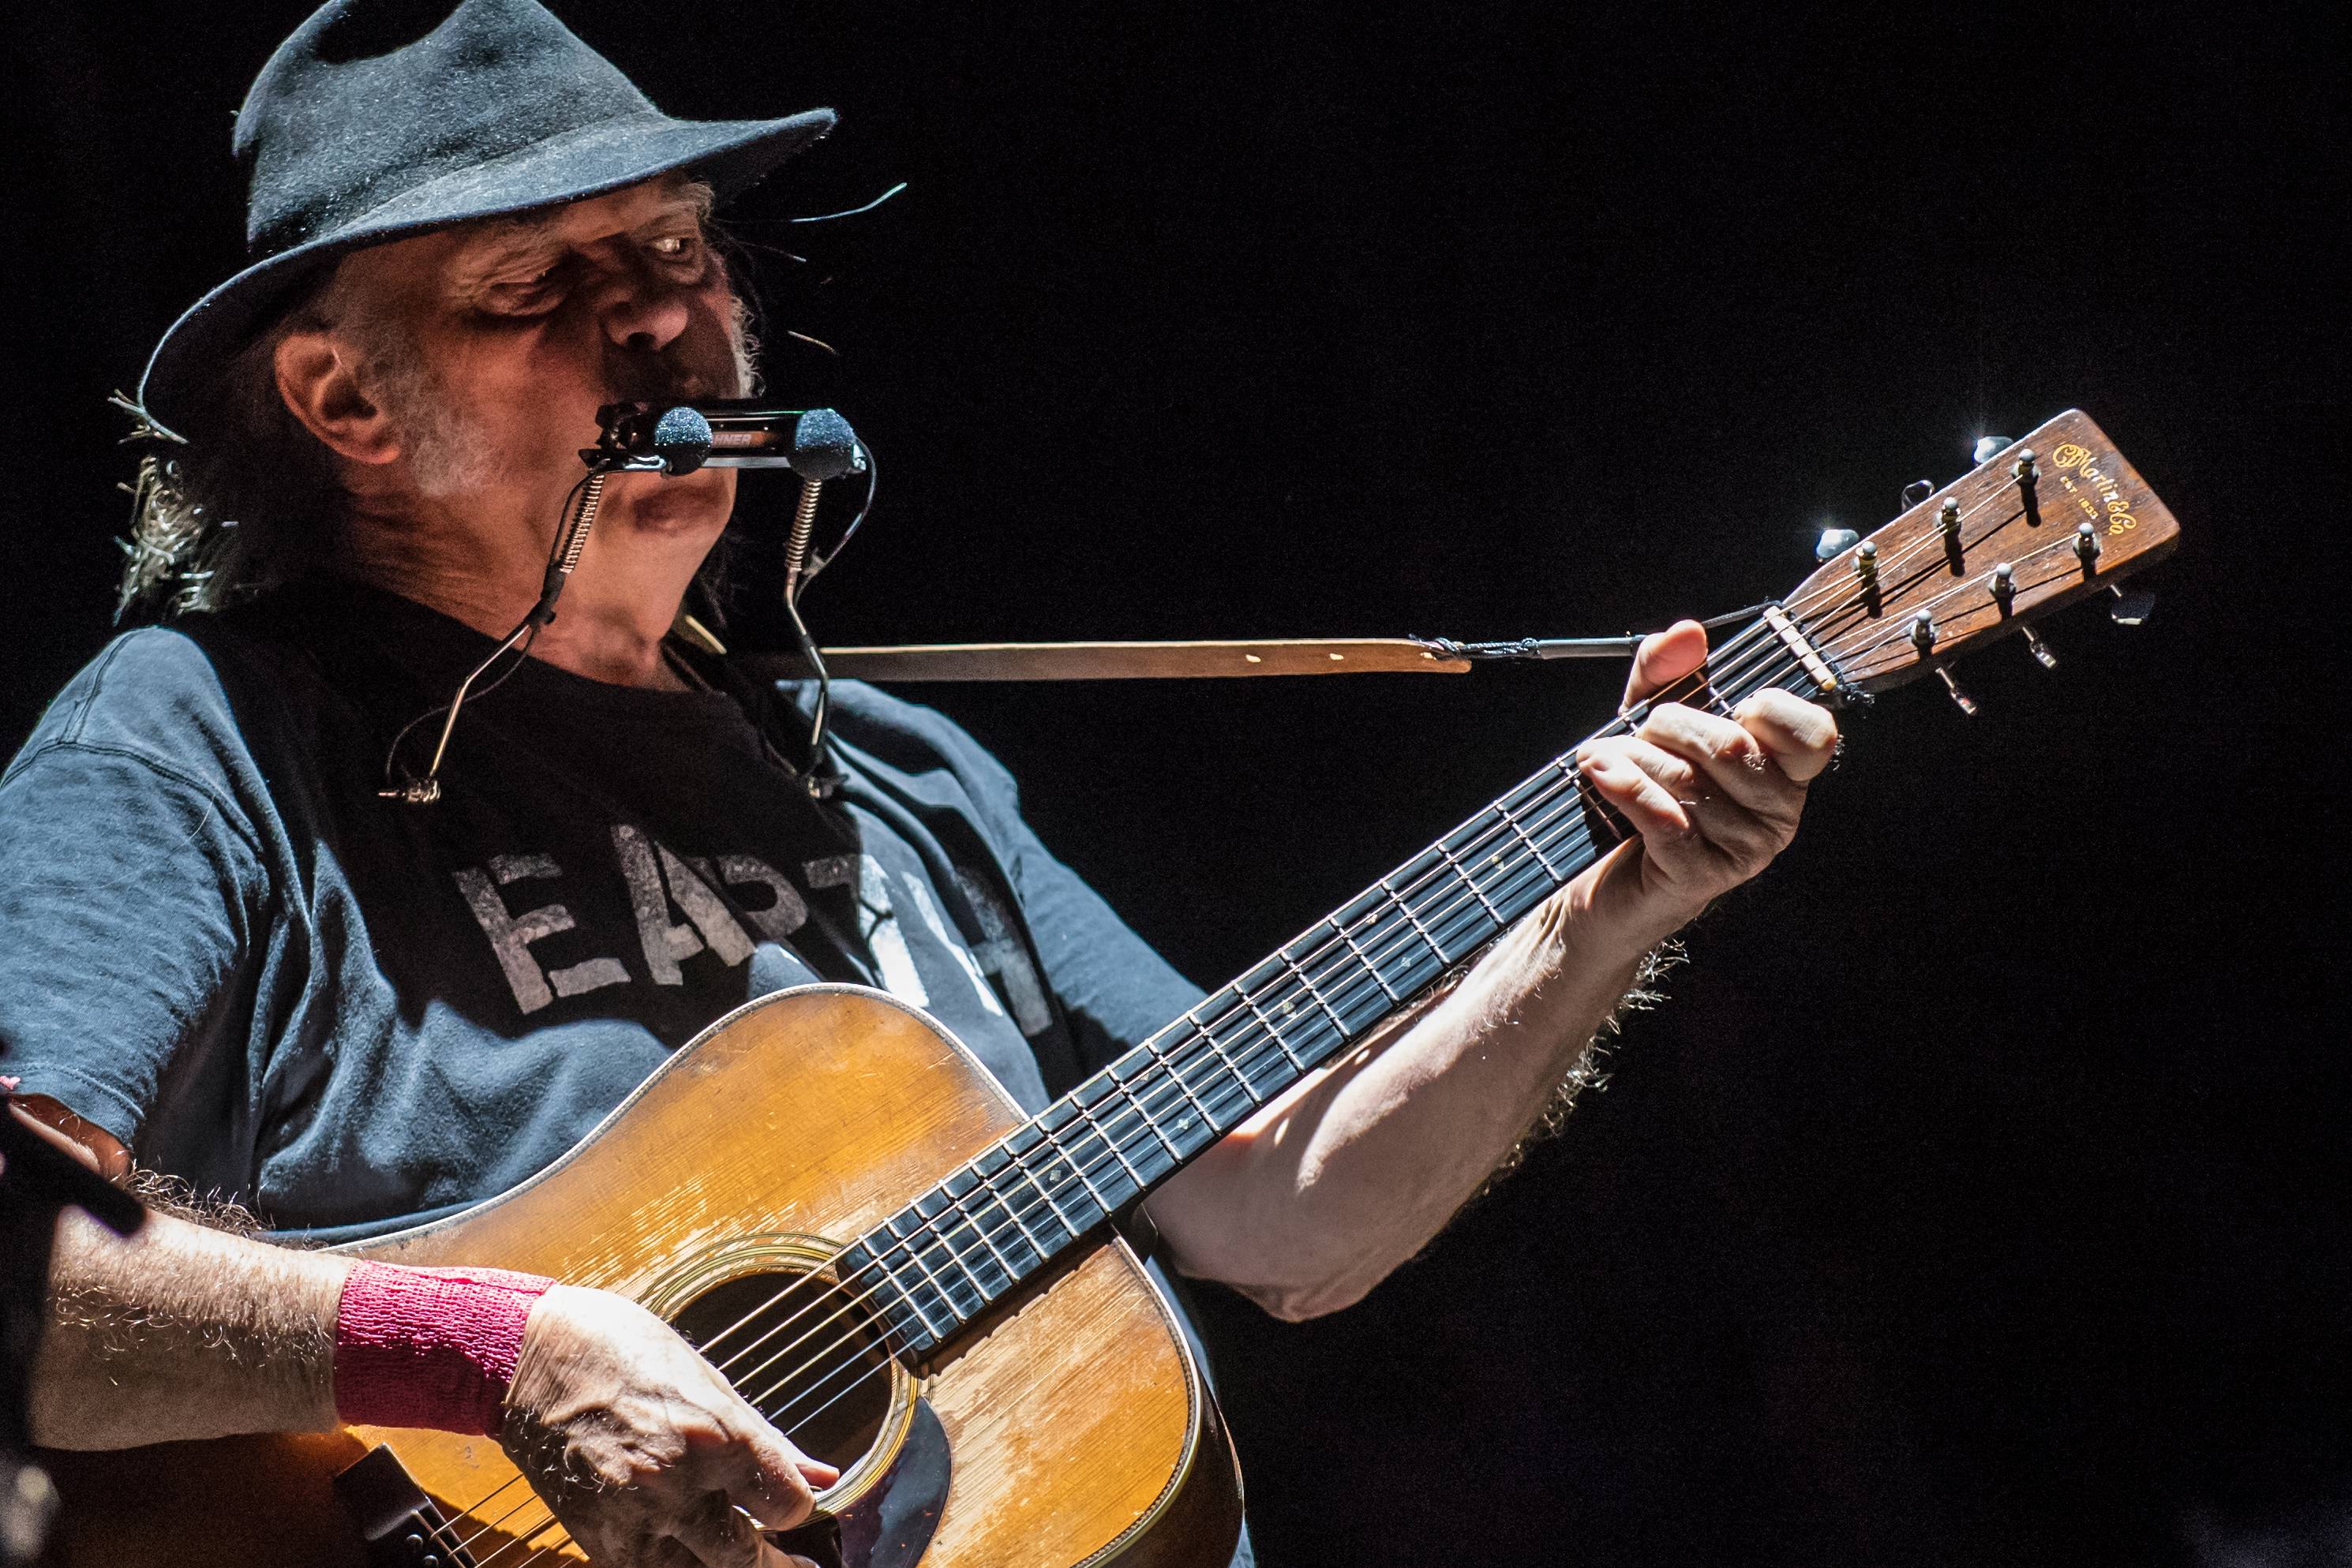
(806,1355)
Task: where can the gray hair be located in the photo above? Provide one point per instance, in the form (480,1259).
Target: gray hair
(238,504)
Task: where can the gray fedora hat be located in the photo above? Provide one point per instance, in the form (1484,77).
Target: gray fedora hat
(380,119)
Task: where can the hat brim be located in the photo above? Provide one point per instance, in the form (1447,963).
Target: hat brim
(731,154)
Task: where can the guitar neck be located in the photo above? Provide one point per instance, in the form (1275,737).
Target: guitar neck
(947,1258)
(2054,520)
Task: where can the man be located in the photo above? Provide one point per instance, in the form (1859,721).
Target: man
(230,958)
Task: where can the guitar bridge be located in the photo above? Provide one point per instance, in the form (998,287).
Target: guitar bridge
(398,1524)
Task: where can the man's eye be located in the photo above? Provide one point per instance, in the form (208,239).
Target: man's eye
(676,247)
(526,293)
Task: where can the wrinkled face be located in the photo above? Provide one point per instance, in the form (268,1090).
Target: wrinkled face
(492,345)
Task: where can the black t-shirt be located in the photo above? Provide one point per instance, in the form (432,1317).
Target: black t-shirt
(353,1014)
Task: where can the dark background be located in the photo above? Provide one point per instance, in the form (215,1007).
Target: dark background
(1976,1197)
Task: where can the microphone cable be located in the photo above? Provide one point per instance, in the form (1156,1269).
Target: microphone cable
(580,507)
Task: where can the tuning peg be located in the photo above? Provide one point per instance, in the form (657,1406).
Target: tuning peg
(2039,650)
(2004,586)
(2086,548)
(1834,543)
(2028,481)
(1917,491)
(1865,564)
(1923,637)
(2130,609)
(1989,447)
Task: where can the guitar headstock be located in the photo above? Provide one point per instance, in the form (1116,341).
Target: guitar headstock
(2055,518)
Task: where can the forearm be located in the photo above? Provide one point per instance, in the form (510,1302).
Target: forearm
(1319,1197)
(182,1332)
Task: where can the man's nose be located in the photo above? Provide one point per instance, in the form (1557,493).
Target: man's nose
(641,311)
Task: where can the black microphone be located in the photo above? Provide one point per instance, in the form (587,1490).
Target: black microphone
(725,432)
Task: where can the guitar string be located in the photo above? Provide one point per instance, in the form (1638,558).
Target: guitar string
(950,1241)
(1240,1068)
(963,1217)
(1243,1078)
(538,1527)
(1800,607)
(1208,1050)
(1542,831)
(1118,1133)
(967,1218)
(1901,634)
(958,1213)
(1242,1084)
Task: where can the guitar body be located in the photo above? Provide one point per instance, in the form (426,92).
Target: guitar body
(1072,1426)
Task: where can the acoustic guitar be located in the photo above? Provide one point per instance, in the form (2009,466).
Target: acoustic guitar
(833,1201)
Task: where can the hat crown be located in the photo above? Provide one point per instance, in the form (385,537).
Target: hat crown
(370,99)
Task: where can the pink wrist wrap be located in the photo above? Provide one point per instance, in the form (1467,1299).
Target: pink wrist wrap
(430,1347)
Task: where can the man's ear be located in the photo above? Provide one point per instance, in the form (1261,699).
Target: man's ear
(314,376)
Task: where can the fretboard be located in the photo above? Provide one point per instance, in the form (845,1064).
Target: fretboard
(946,1258)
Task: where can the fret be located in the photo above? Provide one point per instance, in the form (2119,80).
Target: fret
(1280,1044)
(1415,921)
(1004,1199)
(899,1303)
(908,1296)
(1171,1069)
(1233,1071)
(1144,1111)
(1470,882)
(1086,1155)
(972,1222)
(1013,1162)
(1050,1206)
(1511,821)
(1377,979)
(915,1254)
(1053,1141)
(1292,964)
(926,1238)
(1086,1114)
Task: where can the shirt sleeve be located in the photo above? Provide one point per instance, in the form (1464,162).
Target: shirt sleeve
(128,883)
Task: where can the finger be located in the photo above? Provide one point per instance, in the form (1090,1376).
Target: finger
(1675,774)
(1717,819)
(1648,805)
(1800,736)
(1664,658)
(1734,760)
(771,1479)
(717,1535)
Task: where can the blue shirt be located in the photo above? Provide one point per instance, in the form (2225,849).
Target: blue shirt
(352,1014)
